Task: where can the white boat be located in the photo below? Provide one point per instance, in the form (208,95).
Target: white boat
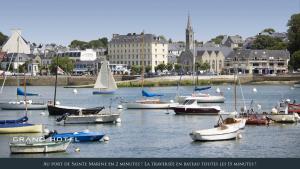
(281,114)
(190,106)
(150,104)
(202,98)
(223,132)
(20,105)
(105,82)
(39,147)
(90,118)
(297,85)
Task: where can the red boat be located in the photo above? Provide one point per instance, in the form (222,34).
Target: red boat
(294,108)
(255,119)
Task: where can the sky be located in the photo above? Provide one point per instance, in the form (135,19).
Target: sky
(61,21)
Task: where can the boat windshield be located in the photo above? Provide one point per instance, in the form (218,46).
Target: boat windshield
(188,102)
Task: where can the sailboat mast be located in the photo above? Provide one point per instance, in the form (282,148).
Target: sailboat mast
(55,80)
(25,94)
(234,81)
(18,82)
(142,58)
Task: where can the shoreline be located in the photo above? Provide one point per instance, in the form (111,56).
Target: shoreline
(132,81)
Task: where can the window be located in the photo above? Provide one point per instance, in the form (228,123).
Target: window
(255,64)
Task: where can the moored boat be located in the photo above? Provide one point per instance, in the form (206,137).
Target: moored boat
(10,128)
(58,110)
(83,136)
(257,119)
(20,105)
(202,98)
(293,108)
(190,107)
(39,147)
(223,132)
(232,121)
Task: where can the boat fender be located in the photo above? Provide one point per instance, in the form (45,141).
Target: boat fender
(120,106)
(239,136)
(118,120)
(42,113)
(105,138)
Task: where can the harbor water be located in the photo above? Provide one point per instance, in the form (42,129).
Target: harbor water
(161,133)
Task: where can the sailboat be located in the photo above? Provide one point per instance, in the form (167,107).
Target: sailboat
(57,110)
(148,103)
(20,104)
(105,82)
(20,125)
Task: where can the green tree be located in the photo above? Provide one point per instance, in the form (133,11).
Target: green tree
(23,68)
(170,40)
(162,37)
(160,67)
(218,39)
(177,68)
(65,63)
(269,30)
(148,69)
(135,69)
(205,66)
(169,67)
(294,33)
(3,38)
(295,60)
(268,42)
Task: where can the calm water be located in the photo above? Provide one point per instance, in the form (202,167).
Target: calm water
(161,133)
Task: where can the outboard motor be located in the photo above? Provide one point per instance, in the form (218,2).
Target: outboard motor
(63,117)
(50,134)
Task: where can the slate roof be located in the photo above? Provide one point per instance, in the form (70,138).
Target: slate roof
(260,54)
(136,38)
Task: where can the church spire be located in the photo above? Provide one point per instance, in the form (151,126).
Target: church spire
(189,22)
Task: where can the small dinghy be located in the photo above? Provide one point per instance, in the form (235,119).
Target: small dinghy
(83,136)
(39,147)
(258,119)
(223,132)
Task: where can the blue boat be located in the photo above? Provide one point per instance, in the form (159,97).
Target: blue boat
(83,136)
(202,88)
(20,120)
(104,92)
(20,92)
(149,94)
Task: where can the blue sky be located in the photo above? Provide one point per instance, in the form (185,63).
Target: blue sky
(60,21)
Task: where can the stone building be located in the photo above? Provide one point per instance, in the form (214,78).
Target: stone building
(215,58)
(138,49)
(261,62)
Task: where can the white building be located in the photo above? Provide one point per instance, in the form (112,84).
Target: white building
(138,49)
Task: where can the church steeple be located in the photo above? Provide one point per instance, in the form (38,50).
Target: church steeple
(189,35)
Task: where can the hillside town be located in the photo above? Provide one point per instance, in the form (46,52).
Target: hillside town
(128,53)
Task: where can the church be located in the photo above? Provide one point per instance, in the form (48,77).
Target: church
(186,58)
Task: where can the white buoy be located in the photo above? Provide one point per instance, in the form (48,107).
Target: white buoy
(57,103)
(254,90)
(105,138)
(75,91)
(239,136)
(77,149)
(228,88)
(218,90)
(118,120)
(292,88)
(46,130)
(258,106)
(288,100)
(42,113)
(120,106)
(171,101)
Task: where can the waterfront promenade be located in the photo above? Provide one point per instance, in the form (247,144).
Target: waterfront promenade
(133,81)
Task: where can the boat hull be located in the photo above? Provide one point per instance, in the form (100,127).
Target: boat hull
(238,122)
(294,108)
(103,92)
(39,147)
(15,106)
(284,118)
(203,99)
(196,111)
(61,110)
(215,134)
(79,137)
(105,118)
(22,129)
(136,105)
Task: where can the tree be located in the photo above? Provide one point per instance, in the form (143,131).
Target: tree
(64,63)
(269,30)
(162,37)
(136,69)
(177,68)
(294,33)
(23,68)
(161,67)
(170,40)
(295,60)
(148,69)
(218,39)
(205,66)
(82,45)
(3,38)
(268,42)
(169,67)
